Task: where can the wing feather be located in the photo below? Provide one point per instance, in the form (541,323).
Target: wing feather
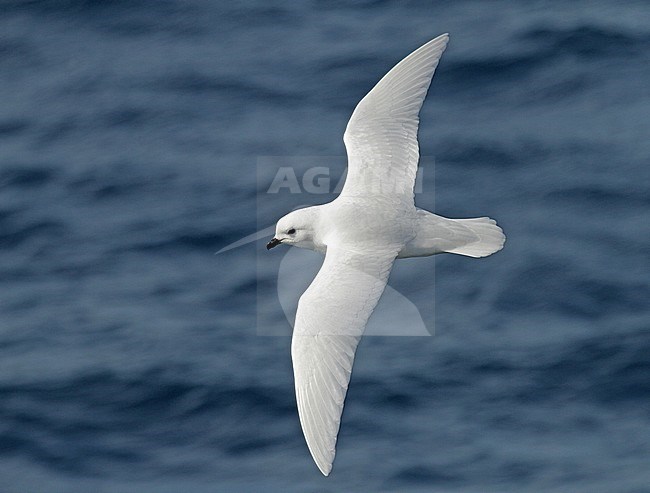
(330,320)
(381,136)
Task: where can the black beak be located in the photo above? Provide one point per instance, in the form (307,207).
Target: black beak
(273,243)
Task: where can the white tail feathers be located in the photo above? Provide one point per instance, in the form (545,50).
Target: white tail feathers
(477,237)
(490,238)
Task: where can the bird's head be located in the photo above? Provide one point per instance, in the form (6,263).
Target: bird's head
(296,228)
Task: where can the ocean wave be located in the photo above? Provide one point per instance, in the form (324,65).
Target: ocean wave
(588,41)
(565,290)
(25,177)
(606,369)
(601,197)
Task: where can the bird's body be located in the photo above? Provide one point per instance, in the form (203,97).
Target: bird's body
(370,224)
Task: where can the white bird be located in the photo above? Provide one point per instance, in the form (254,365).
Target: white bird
(371,223)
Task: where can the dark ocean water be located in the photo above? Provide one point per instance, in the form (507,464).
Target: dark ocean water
(130,138)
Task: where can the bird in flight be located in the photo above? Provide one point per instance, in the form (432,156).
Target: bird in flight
(371,223)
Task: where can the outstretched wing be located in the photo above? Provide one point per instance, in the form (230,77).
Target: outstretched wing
(381,136)
(332,314)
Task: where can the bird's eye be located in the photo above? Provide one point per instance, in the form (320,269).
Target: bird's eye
(291,231)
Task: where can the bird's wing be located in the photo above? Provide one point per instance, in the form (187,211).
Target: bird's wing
(381,136)
(332,314)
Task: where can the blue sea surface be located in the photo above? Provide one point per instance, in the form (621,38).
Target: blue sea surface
(131,137)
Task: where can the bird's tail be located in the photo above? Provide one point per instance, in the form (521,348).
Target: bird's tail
(490,237)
